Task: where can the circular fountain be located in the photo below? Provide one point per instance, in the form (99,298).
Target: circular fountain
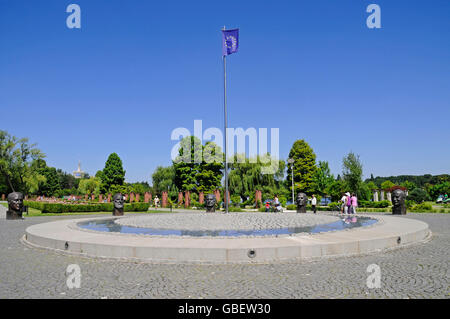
(226,238)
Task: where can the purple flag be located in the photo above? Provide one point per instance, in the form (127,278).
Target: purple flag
(230,41)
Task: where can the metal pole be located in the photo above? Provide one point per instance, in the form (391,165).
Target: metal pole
(292,174)
(225,117)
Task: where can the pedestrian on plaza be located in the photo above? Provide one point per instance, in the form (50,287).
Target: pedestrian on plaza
(156,200)
(349,203)
(354,201)
(276,201)
(344,204)
(313,203)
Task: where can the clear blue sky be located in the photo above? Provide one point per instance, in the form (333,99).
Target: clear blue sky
(138,69)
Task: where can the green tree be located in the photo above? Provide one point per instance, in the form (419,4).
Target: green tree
(439,189)
(163,179)
(304,166)
(371,186)
(352,171)
(387,185)
(112,174)
(90,186)
(408,185)
(51,184)
(211,168)
(418,195)
(246,176)
(323,178)
(198,167)
(337,189)
(187,163)
(16,160)
(140,188)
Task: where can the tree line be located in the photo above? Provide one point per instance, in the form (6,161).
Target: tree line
(23,168)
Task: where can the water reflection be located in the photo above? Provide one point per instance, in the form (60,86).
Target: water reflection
(110,226)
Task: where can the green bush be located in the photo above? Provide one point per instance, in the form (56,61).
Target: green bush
(422,207)
(409,203)
(234,209)
(291,207)
(418,195)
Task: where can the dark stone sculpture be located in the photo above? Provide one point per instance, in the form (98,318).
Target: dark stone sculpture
(398,202)
(15,206)
(302,200)
(210,203)
(118,201)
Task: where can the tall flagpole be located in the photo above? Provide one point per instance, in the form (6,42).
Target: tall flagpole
(225,117)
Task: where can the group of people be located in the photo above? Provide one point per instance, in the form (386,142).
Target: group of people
(349,203)
(276,205)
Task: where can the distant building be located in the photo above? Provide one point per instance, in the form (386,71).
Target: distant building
(79,173)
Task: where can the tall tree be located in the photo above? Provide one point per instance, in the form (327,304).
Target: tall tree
(211,168)
(186,164)
(198,167)
(113,174)
(352,171)
(304,166)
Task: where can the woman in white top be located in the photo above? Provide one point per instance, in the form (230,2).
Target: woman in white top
(344,204)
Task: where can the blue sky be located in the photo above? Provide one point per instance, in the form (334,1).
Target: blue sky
(136,70)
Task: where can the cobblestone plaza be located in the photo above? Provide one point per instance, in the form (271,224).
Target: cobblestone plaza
(418,271)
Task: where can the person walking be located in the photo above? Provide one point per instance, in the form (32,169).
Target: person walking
(344,203)
(313,203)
(276,203)
(156,200)
(354,201)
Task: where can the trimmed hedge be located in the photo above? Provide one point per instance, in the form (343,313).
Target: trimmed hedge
(291,207)
(57,208)
(369,204)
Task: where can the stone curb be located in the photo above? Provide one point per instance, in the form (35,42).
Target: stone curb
(393,232)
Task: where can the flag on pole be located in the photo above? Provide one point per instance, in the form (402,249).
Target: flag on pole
(230,41)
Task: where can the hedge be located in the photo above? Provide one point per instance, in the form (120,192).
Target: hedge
(369,204)
(57,208)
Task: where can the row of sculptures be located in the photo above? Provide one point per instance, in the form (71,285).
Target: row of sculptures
(15,204)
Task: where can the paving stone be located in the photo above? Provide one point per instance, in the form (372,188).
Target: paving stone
(419,271)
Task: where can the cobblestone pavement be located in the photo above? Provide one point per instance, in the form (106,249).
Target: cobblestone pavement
(220,221)
(419,271)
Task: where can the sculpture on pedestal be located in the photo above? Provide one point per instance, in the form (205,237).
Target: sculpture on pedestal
(15,206)
(118,204)
(398,202)
(302,200)
(210,203)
